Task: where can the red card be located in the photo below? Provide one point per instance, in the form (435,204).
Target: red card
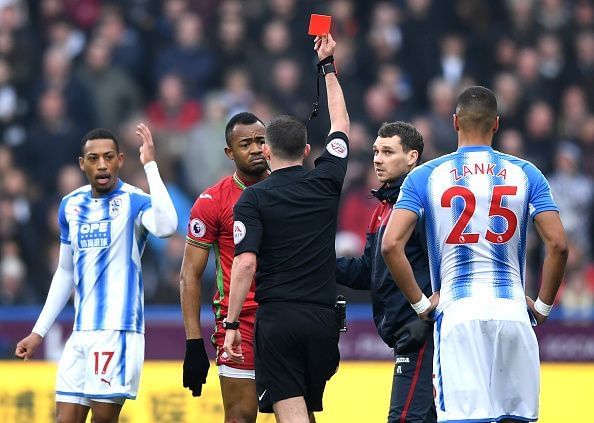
(319,24)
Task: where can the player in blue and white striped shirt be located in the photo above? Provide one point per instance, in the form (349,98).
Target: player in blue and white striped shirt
(476,203)
(103,231)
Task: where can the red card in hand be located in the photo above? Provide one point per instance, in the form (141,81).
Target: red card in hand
(319,24)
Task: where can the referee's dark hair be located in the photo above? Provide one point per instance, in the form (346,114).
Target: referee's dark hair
(410,138)
(286,137)
(243,118)
(476,109)
(99,134)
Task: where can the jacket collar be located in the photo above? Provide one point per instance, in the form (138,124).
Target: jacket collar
(389,192)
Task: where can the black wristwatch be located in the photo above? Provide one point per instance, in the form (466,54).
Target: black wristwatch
(230,325)
(328,68)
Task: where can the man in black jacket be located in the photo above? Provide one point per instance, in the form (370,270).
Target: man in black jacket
(396,152)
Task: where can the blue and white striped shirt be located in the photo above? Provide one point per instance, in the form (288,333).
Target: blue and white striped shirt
(107,240)
(476,203)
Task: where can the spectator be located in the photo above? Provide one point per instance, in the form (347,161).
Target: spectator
(188,56)
(286,89)
(14,288)
(200,167)
(276,44)
(510,141)
(54,128)
(509,99)
(172,115)
(586,141)
(574,193)
(127,52)
(582,71)
(115,95)
(442,98)
(540,135)
(574,110)
(57,76)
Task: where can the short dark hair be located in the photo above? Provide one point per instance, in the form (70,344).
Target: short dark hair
(243,118)
(476,109)
(99,134)
(287,137)
(410,138)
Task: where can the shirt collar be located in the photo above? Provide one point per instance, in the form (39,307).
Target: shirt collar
(474,148)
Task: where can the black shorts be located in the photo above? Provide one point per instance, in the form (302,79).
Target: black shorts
(296,352)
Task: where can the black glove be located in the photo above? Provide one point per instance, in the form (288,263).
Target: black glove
(196,366)
(411,337)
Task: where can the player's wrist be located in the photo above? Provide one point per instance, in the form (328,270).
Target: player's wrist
(422,305)
(150,164)
(542,308)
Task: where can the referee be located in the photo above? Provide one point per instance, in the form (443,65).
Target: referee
(287,225)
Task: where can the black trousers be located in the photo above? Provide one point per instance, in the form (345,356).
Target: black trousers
(412,387)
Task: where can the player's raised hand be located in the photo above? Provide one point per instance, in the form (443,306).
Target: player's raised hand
(27,346)
(324,45)
(147,149)
(232,345)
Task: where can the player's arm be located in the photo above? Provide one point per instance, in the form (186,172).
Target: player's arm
(355,272)
(161,218)
(60,290)
(398,231)
(196,362)
(190,286)
(545,213)
(549,227)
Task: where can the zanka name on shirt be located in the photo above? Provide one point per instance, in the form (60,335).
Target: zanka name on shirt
(479,169)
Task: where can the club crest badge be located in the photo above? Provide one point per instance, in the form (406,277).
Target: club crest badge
(115,207)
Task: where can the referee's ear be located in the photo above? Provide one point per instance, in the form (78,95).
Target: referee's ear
(266,151)
(306,151)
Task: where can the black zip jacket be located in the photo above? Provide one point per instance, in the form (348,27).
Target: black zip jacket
(391,309)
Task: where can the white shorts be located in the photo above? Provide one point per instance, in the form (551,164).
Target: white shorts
(233,373)
(485,370)
(102,365)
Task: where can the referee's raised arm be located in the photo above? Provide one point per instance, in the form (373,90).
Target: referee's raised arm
(325,45)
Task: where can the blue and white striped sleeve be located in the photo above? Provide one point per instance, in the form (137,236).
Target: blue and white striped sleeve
(64,227)
(540,197)
(410,198)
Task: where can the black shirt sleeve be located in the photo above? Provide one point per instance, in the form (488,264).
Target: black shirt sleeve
(247,225)
(332,162)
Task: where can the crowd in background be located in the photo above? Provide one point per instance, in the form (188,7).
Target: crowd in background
(185,66)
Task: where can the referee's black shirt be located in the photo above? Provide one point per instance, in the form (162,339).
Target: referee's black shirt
(289,221)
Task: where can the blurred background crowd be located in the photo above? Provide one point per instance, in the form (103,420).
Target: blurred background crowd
(185,66)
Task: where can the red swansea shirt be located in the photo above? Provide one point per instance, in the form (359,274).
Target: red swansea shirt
(211,226)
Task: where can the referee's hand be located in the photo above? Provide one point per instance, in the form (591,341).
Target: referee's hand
(196,366)
(232,345)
